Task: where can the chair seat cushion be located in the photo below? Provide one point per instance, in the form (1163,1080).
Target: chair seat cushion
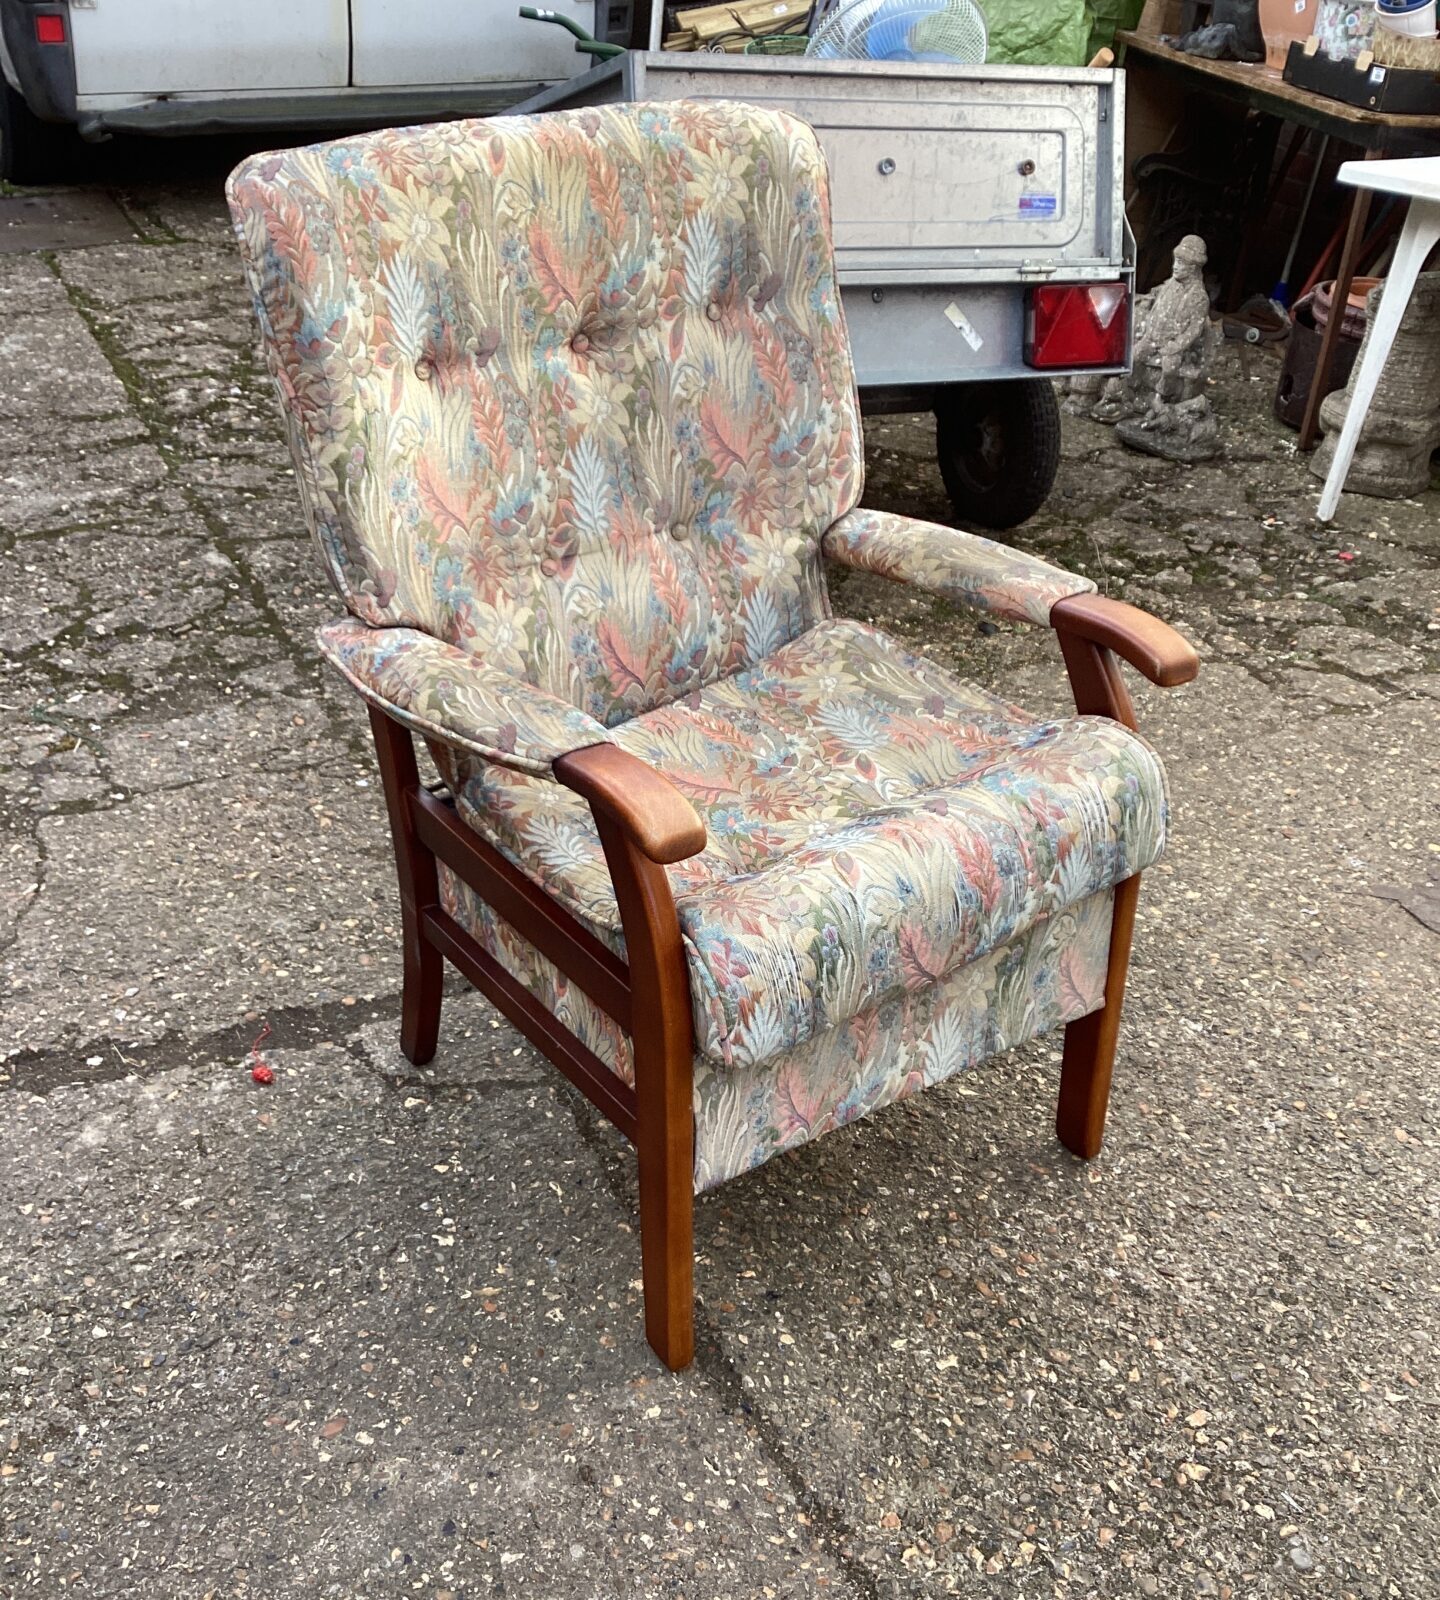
(874,823)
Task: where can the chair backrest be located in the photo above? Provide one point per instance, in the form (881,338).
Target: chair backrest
(572,392)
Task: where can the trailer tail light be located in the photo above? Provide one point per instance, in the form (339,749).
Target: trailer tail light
(50,29)
(1077,325)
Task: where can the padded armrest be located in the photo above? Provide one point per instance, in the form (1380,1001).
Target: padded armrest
(957,566)
(446,693)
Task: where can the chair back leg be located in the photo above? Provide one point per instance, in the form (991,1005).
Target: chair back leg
(662,1039)
(1089,1057)
(419,891)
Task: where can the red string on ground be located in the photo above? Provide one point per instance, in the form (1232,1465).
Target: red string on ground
(260,1069)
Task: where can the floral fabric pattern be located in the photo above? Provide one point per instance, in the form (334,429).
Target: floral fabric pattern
(1046,977)
(571,393)
(961,567)
(447,694)
(873,824)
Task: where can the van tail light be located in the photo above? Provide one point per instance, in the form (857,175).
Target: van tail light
(1077,325)
(50,29)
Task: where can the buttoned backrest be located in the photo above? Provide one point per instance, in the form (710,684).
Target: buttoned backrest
(570,392)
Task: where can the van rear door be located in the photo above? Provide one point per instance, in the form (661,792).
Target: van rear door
(154,47)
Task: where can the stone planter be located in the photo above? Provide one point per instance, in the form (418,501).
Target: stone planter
(1403,427)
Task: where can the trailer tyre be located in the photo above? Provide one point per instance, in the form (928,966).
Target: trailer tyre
(999,449)
(31,151)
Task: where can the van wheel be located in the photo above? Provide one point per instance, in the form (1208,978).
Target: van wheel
(31,151)
(999,449)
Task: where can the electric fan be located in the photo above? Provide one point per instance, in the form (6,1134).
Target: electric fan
(902,30)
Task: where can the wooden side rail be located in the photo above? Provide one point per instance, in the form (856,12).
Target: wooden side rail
(600,1086)
(419,891)
(641,802)
(554,932)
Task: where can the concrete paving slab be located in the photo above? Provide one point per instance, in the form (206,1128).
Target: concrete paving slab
(68,219)
(180,911)
(50,367)
(84,475)
(163,284)
(188,212)
(225,741)
(1160,1374)
(90,586)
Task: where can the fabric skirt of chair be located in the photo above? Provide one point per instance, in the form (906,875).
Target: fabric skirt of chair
(1047,976)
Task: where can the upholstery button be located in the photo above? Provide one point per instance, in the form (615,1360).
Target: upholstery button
(713,311)
(580,344)
(424,369)
(680,531)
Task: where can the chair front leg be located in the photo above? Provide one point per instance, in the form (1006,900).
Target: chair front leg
(662,1040)
(644,822)
(424,977)
(1088,1062)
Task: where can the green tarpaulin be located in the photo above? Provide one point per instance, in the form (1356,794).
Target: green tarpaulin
(1054,33)
(1110,17)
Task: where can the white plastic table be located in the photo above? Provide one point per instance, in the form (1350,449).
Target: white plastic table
(1417,179)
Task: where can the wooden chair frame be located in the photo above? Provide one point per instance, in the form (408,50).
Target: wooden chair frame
(644,824)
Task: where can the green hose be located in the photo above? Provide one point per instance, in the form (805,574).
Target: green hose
(584,42)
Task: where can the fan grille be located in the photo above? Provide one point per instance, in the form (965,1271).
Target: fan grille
(902,30)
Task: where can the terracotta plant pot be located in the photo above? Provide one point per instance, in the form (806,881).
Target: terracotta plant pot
(1282,21)
(1353,327)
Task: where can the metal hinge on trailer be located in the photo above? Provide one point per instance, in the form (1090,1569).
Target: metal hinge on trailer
(1034,271)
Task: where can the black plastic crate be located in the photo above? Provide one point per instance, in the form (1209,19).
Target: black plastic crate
(1402,91)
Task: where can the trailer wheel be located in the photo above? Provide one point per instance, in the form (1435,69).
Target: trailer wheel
(999,449)
(31,151)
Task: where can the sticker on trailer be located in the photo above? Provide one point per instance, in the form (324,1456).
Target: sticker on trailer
(964,324)
(1037,206)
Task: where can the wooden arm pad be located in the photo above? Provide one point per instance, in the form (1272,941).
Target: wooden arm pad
(661,821)
(1149,645)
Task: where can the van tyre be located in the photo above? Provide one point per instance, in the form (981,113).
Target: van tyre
(998,446)
(31,151)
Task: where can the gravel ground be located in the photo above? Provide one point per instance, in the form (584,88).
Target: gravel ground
(376,1331)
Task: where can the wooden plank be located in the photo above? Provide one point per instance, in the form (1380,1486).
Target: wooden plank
(664,1046)
(759,16)
(1088,1061)
(1154,115)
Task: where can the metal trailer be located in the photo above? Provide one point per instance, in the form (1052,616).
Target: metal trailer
(955,191)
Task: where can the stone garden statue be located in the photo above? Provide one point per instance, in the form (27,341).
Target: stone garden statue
(1162,406)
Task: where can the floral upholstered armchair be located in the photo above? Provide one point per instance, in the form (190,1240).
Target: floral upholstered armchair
(573,416)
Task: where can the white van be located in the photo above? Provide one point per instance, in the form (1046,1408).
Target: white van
(207,66)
